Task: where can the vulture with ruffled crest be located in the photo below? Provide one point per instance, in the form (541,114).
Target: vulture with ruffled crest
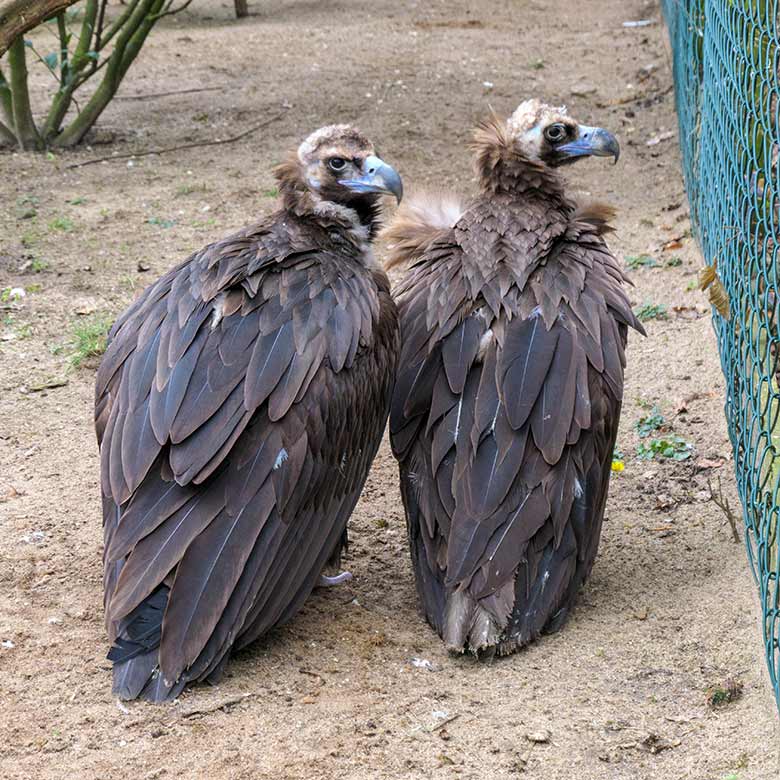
(506,407)
(239,405)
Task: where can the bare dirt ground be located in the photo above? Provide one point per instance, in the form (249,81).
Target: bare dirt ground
(670,611)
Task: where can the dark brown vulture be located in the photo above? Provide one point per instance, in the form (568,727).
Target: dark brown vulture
(506,406)
(238,408)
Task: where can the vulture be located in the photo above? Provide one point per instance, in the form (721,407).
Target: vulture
(238,407)
(505,410)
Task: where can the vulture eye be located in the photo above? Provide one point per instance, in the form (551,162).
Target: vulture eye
(555,133)
(337,163)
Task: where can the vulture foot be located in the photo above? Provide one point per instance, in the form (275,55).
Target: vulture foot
(338,579)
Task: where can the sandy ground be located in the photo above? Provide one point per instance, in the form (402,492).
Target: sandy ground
(671,609)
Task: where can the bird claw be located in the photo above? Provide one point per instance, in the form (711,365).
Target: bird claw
(338,579)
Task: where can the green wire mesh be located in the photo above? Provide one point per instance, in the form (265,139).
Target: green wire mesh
(726,59)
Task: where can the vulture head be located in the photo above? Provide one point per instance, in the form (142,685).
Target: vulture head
(337,165)
(547,134)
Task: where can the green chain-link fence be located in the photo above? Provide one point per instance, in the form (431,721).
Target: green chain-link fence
(726,61)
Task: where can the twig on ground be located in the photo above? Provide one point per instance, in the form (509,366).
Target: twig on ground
(168,149)
(441,725)
(219,705)
(167,94)
(722,503)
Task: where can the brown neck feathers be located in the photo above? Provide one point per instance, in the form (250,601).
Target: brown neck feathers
(502,168)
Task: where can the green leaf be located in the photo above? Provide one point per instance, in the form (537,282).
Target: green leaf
(51,60)
(641,261)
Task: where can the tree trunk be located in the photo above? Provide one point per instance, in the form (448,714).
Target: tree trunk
(19,16)
(241,9)
(26,132)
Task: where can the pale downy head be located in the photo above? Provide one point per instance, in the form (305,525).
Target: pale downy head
(547,134)
(338,164)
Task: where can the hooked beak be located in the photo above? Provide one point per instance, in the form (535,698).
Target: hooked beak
(377,176)
(591,141)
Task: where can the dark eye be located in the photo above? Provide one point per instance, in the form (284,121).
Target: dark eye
(337,163)
(555,133)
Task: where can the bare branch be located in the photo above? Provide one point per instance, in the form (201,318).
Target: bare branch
(168,149)
(168,94)
(19,16)
(172,11)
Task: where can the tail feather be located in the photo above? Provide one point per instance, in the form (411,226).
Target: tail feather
(477,625)
(135,652)
(132,675)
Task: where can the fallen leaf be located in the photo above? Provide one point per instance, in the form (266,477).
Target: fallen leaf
(710,463)
(672,243)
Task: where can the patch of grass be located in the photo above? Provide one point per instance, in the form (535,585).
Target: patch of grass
(651,311)
(88,338)
(646,222)
(536,64)
(62,223)
(724,693)
(641,261)
(39,265)
(692,285)
(669,447)
(273,192)
(79,201)
(204,223)
(188,189)
(33,288)
(20,332)
(650,423)
(160,222)
(29,238)
(9,294)
(674,262)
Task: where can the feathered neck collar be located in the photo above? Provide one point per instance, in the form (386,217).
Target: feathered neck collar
(360,218)
(501,168)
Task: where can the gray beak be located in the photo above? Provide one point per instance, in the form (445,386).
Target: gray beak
(377,176)
(591,141)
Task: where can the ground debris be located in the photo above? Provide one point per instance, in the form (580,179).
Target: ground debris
(722,694)
(423,663)
(47,384)
(657,139)
(541,737)
(652,743)
(223,704)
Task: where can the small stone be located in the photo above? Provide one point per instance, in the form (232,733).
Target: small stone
(583,90)
(541,737)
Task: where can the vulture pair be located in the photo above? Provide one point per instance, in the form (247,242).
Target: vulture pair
(243,396)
